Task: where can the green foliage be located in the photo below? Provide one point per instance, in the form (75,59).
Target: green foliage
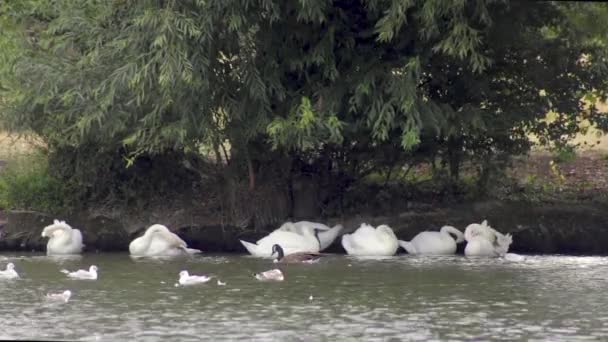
(354,86)
(25,183)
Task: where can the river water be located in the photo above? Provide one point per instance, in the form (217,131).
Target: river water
(403,298)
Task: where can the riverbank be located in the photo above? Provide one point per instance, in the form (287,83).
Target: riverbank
(541,228)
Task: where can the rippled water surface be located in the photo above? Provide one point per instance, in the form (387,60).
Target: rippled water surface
(399,298)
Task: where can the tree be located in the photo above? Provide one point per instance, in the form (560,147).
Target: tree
(271,85)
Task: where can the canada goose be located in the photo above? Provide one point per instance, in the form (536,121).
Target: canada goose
(299,257)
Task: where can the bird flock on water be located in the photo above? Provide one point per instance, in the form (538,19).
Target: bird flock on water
(292,242)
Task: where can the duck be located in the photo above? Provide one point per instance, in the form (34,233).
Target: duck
(290,242)
(10,272)
(91,274)
(370,241)
(158,240)
(483,240)
(271,275)
(325,234)
(63,296)
(299,257)
(186,279)
(434,243)
(63,239)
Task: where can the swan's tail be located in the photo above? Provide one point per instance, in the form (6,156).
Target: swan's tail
(502,243)
(192,250)
(252,248)
(327,237)
(409,248)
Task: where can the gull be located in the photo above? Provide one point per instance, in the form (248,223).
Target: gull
(274,275)
(187,279)
(220,283)
(10,272)
(63,296)
(91,274)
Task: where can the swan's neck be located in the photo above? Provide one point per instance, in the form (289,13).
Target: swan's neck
(62,236)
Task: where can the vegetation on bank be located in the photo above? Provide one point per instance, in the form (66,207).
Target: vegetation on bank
(233,101)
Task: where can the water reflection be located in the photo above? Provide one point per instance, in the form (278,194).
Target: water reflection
(402,298)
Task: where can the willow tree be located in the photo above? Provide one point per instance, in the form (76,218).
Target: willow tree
(111,85)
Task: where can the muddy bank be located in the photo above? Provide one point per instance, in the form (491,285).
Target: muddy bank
(537,228)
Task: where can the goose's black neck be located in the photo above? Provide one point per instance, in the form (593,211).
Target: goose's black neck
(279,250)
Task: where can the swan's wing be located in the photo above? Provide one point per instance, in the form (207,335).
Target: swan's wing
(253,249)
(77,239)
(327,237)
(290,242)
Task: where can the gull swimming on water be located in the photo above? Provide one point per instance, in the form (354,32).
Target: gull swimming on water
(63,296)
(10,272)
(187,279)
(91,274)
(272,275)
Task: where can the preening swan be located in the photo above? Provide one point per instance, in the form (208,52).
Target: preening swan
(187,279)
(290,242)
(434,243)
(367,241)
(63,239)
(91,274)
(272,275)
(483,240)
(158,240)
(10,272)
(63,296)
(326,235)
(300,257)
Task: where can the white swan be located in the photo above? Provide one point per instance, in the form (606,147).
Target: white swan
(63,239)
(158,240)
(326,235)
(187,279)
(10,272)
(483,240)
(367,241)
(63,296)
(290,242)
(272,275)
(434,243)
(91,274)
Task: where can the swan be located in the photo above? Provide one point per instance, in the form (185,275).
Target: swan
(272,275)
(290,242)
(187,279)
(370,241)
(483,240)
(10,272)
(326,235)
(63,296)
(63,239)
(434,243)
(91,274)
(300,257)
(158,240)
